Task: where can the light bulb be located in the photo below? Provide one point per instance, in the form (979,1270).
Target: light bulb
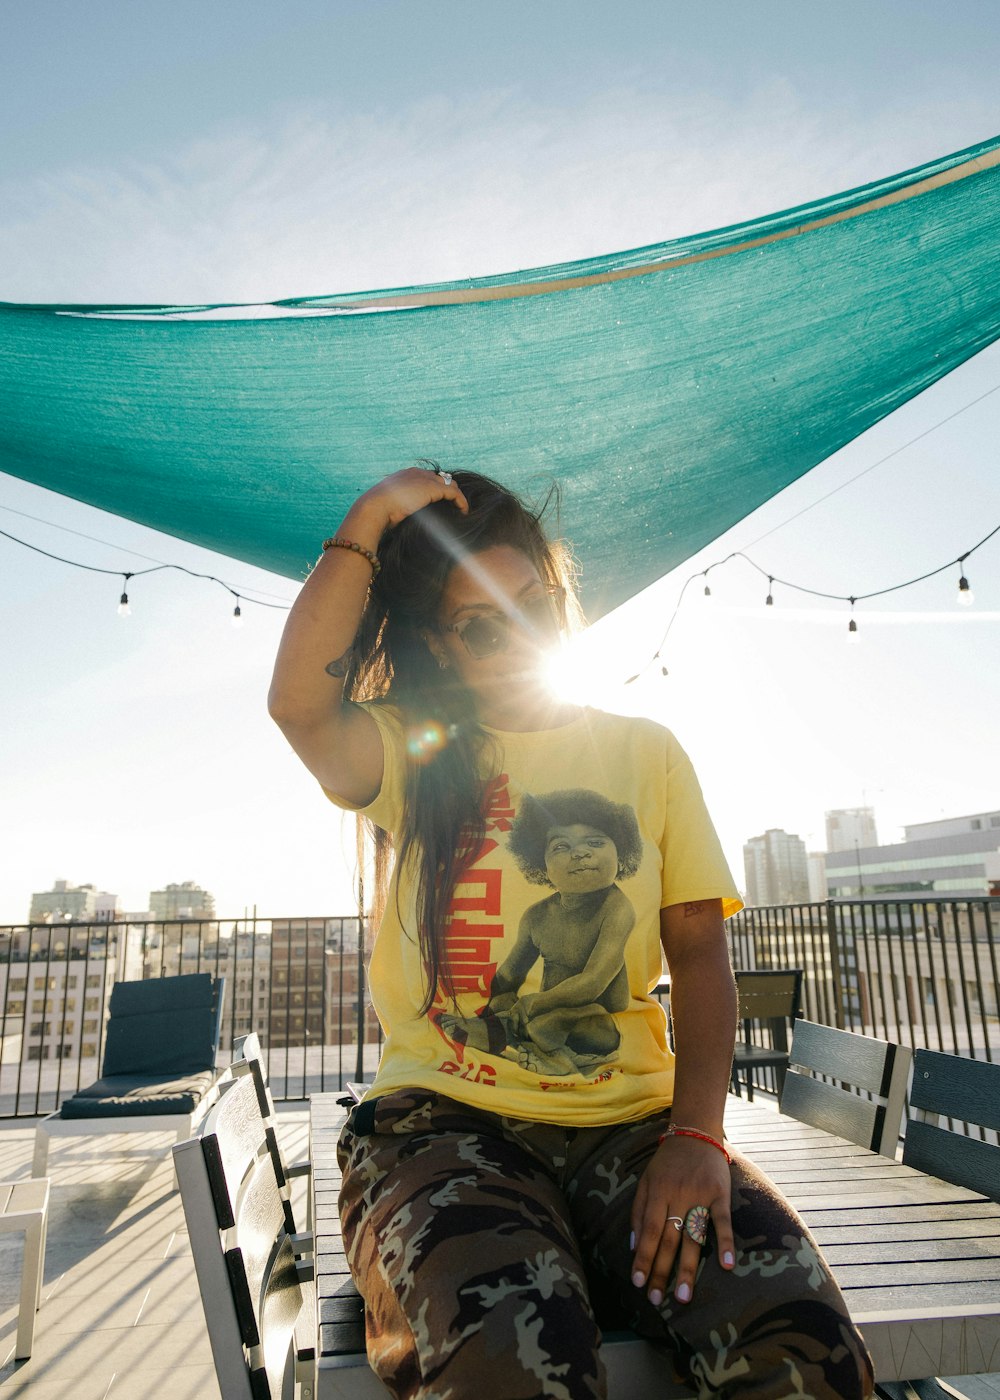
(965,594)
(237,616)
(708,591)
(123,608)
(852,633)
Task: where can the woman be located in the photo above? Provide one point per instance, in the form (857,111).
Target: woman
(499,1201)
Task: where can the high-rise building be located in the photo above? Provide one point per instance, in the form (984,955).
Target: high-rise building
(776,868)
(186,901)
(816,861)
(849,827)
(958,857)
(64,902)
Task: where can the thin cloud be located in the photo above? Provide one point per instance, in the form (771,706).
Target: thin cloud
(307,204)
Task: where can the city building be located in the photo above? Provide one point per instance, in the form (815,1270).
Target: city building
(315,982)
(186,901)
(64,901)
(298,959)
(105,907)
(54,987)
(956,857)
(816,862)
(776,869)
(849,827)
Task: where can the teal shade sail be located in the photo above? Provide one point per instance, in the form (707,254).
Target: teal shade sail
(669,390)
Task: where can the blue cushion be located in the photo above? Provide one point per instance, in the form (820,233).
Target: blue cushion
(165,1026)
(162,994)
(133,1095)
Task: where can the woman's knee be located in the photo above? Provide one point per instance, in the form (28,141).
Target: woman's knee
(509,1328)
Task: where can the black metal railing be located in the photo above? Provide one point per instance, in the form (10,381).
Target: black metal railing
(299,983)
(919,972)
(923,973)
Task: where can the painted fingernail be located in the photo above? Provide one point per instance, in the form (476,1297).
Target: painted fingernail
(655,1297)
(728,1259)
(631,1240)
(638,1278)
(683,1293)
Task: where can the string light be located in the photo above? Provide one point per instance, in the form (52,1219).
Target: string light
(124,608)
(964,595)
(852,626)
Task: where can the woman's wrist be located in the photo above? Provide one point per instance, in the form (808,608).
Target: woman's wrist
(364,523)
(681,1130)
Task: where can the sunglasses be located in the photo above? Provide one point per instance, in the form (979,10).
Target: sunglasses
(485,634)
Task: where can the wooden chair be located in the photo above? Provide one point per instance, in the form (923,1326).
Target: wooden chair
(248,1058)
(158,1073)
(870,1111)
(952,1086)
(768,1000)
(254,1291)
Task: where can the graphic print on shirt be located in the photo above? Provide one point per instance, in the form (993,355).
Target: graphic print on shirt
(552,1002)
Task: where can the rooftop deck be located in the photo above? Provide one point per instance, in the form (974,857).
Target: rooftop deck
(121,1316)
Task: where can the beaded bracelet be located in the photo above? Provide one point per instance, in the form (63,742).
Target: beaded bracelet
(694,1133)
(339,542)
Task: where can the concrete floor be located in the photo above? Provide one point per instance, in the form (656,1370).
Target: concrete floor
(121,1316)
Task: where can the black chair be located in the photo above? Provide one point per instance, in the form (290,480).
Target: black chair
(952,1086)
(255,1293)
(867,1102)
(768,1001)
(158,1073)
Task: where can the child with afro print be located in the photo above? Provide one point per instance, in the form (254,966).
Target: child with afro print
(580,844)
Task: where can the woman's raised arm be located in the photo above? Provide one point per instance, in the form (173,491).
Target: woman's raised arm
(338,742)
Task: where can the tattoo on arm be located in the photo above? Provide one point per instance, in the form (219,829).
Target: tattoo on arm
(690,910)
(339,666)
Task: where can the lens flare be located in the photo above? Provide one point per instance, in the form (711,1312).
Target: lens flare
(423,741)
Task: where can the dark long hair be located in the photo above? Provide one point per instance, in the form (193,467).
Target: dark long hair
(450,758)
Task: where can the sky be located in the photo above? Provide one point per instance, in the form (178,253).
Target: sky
(246,151)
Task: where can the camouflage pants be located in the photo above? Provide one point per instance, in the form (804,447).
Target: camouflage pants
(487,1248)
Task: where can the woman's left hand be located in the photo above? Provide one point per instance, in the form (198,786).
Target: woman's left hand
(683,1173)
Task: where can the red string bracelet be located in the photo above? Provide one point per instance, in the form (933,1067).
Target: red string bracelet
(694,1133)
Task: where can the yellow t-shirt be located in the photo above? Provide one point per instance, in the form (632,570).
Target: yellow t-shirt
(553,934)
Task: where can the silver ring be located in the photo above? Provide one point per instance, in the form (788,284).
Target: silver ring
(446,477)
(676,1221)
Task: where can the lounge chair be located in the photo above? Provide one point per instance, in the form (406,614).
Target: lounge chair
(158,1073)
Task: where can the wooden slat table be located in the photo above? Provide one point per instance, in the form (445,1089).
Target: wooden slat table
(918,1259)
(342,1370)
